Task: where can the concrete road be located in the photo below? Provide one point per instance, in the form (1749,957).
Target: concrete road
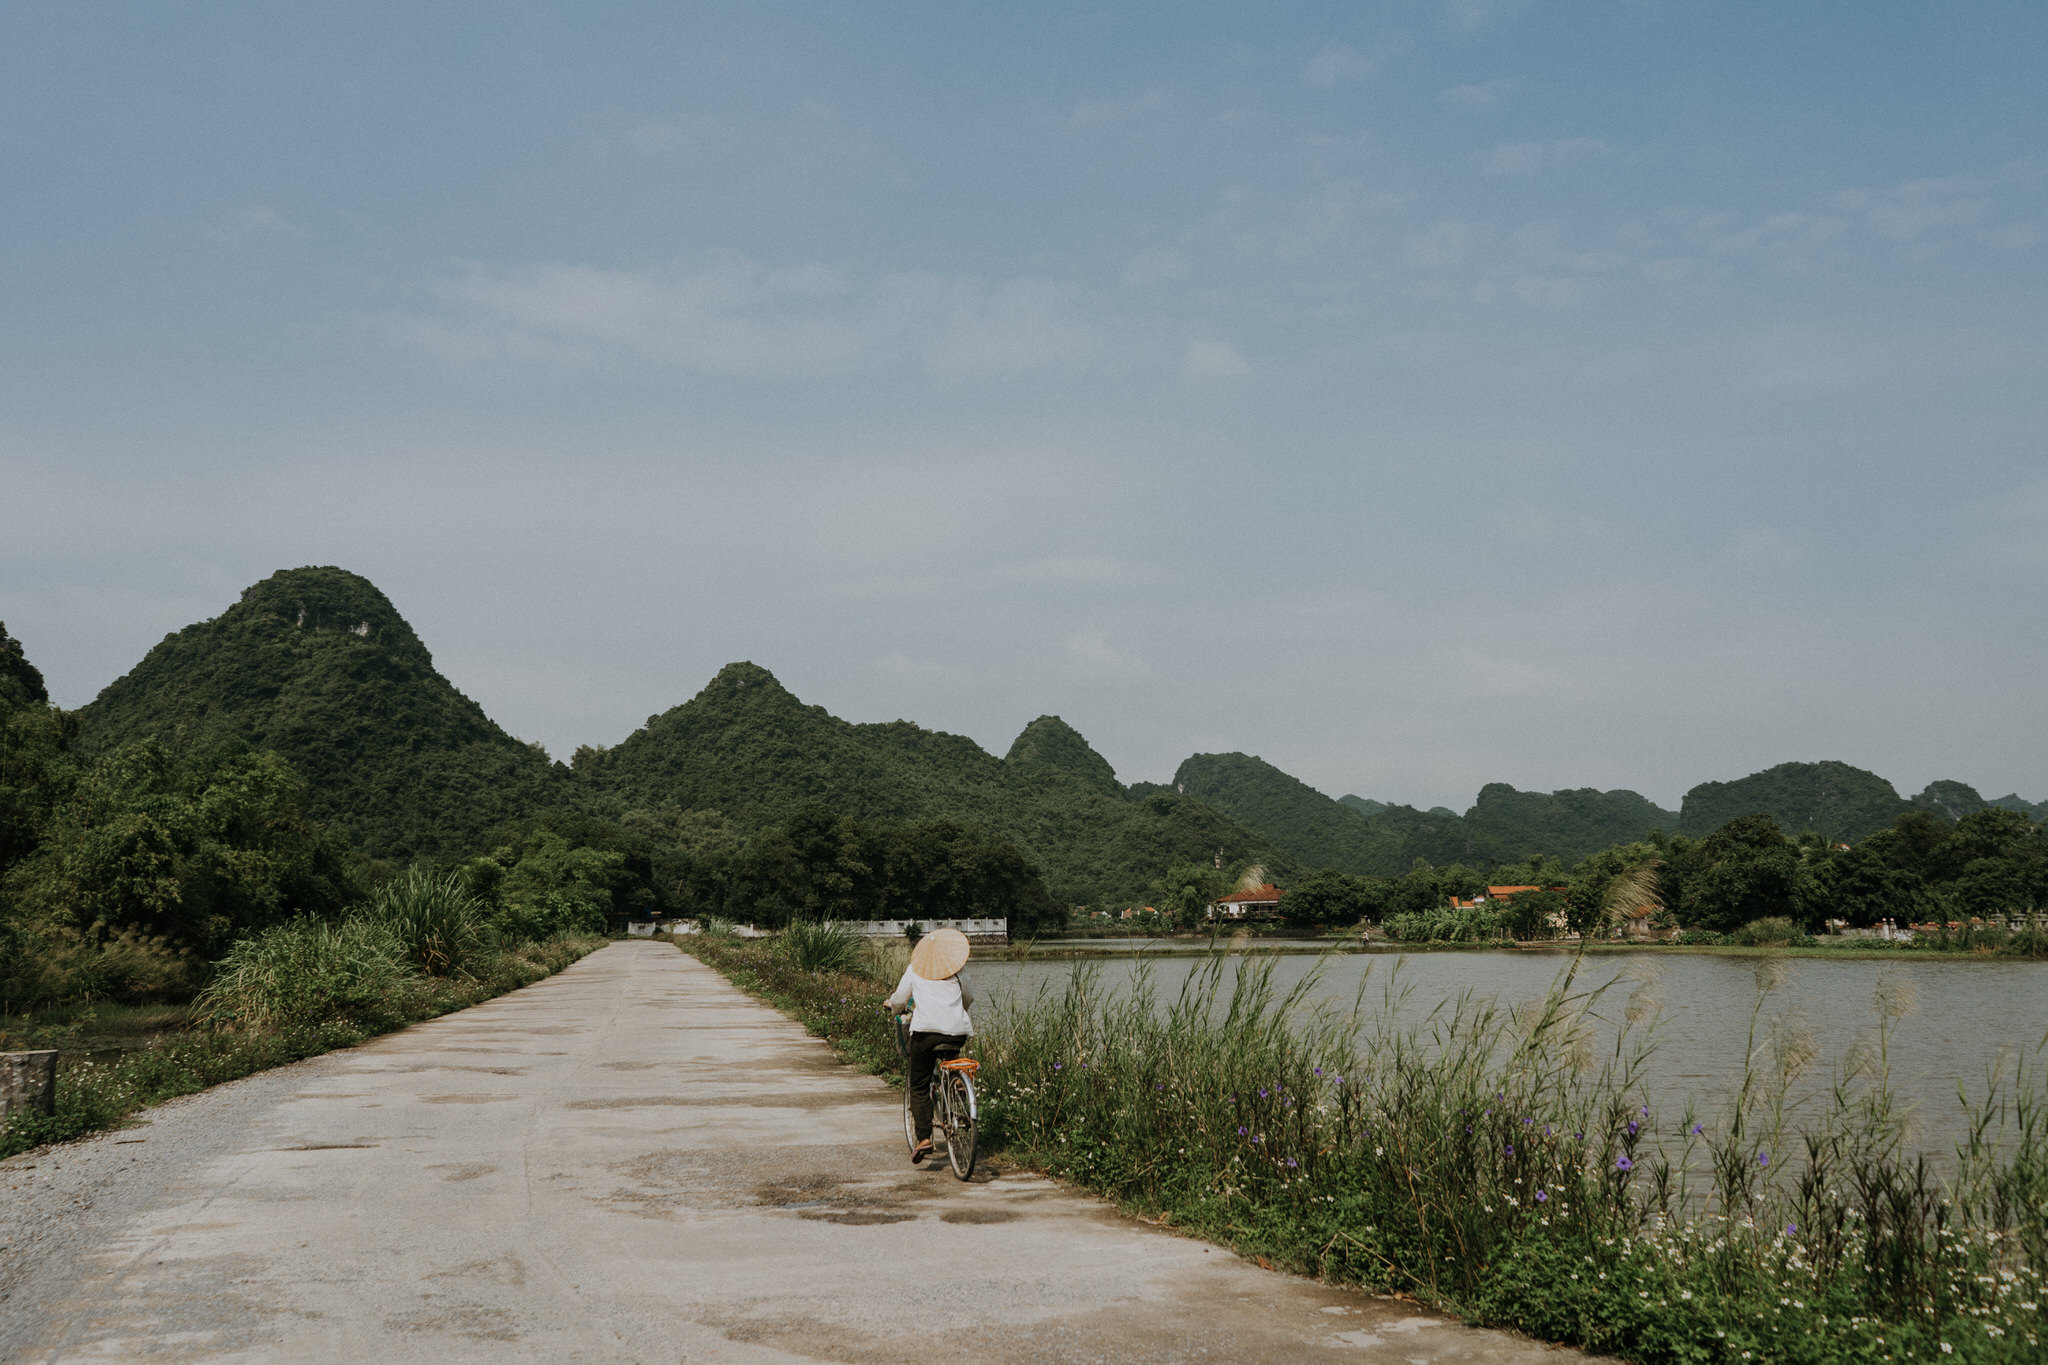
(631,1161)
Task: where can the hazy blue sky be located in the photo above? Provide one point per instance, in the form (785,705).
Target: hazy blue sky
(1417,395)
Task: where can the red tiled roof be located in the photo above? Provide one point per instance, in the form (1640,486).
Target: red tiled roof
(1268,892)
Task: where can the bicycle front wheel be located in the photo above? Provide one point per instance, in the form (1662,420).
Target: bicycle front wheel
(960,1139)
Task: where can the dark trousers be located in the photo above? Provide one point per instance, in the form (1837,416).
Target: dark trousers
(924,1060)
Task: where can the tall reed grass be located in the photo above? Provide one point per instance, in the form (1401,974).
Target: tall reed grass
(1508,1164)
(307,970)
(439,925)
(820,945)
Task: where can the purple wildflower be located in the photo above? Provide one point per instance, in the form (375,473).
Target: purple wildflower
(1632,1130)
(1791,1228)
(1291,1162)
(1622,1163)
(1763,1158)
(1696,1129)
(1240,1130)
(1511,1149)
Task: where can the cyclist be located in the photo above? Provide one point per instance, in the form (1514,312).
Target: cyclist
(935,986)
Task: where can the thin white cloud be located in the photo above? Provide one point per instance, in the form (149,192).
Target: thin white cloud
(1442,246)
(1527,158)
(1116,109)
(1215,360)
(1484,95)
(1156,267)
(740,317)
(658,139)
(1335,64)
(1918,208)
(1470,16)
(1765,546)
(1093,652)
(250,219)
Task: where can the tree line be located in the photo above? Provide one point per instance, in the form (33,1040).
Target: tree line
(1991,864)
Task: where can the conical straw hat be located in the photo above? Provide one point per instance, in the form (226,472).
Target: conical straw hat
(939,954)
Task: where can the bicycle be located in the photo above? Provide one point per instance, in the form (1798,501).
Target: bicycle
(954,1110)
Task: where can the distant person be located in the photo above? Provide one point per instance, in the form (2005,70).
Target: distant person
(935,988)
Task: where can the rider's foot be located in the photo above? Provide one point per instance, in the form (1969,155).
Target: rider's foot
(923,1150)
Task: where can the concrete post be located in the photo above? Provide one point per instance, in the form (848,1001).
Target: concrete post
(28,1081)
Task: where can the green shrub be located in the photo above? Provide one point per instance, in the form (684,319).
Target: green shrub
(820,946)
(2025,943)
(1763,933)
(438,923)
(307,970)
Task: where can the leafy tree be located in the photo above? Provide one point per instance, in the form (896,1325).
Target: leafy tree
(1745,870)
(1859,885)
(1322,899)
(1188,890)
(193,851)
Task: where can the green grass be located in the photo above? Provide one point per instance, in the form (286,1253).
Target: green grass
(92,1096)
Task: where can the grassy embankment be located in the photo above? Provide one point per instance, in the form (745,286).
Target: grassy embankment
(291,992)
(1487,1163)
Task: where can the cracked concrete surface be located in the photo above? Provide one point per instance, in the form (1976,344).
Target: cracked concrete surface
(630,1161)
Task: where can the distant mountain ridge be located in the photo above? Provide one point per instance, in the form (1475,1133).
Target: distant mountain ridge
(316,664)
(1374,838)
(746,746)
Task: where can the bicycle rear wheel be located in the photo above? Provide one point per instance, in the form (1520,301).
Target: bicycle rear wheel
(959,1099)
(909,1123)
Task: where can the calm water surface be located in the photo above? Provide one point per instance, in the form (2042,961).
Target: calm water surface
(1969,1013)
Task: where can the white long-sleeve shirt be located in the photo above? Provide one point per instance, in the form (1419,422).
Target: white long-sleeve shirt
(939,1006)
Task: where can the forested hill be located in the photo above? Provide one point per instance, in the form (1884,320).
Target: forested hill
(747,747)
(1301,821)
(1373,838)
(1829,798)
(318,666)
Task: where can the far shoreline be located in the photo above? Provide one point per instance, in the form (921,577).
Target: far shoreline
(1045,950)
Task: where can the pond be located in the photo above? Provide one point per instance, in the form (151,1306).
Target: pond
(1969,1013)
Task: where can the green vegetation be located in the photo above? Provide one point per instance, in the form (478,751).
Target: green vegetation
(1376,839)
(1832,799)
(1483,1160)
(123,876)
(747,748)
(315,665)
(820,946)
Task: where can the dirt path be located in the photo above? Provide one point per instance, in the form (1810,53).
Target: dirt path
(630,1161)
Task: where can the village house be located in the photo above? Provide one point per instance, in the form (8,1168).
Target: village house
(1261,902)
